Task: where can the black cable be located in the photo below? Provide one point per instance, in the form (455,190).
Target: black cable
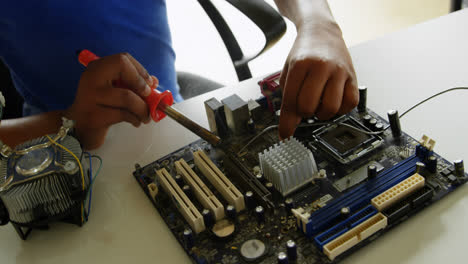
(433,96)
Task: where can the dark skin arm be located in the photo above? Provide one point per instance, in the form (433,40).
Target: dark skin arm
(318,78)
(98,104)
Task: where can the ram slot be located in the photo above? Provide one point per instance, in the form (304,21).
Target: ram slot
(351,238)
(182,202)
(203,194)
(219,180)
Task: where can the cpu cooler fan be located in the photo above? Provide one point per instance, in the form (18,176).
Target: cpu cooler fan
(41,182)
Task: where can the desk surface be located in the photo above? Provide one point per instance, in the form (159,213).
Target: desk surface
(399,69)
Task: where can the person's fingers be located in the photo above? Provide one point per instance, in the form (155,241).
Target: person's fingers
(311,91)
(141,70)
(284,74)
(288,117)
(155,82)
(332,96)
(130,77)
(350,97)
(126,99)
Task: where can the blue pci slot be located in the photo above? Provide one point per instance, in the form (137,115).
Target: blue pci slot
(360,196)
(342,227)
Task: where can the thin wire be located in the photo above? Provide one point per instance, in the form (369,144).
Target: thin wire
(433,96)
(79,164)
(90,187)
(90,192)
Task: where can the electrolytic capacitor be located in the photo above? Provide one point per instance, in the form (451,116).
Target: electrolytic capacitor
(291,250)
(259,177)
(251,126)
(289,204)
(459,168)
(371,171)
(249,200)
(420,167)
(372,123)
(366,120)
(260,213)
(179,180)
(431,165)
(269,187)
(394,121)
(362,99)
(282,258)
(188,238)
(378,127)
(208,218)
(231,212)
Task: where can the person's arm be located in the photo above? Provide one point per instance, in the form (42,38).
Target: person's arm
(98,104)
(318,78)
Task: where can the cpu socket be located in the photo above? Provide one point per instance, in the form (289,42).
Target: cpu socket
(344,143)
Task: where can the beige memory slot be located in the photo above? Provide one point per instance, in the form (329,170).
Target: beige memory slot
(349,239)
(398,192)
(219,180)
(203,194)
(182,202)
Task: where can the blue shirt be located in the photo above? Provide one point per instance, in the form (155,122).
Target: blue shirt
(39,40)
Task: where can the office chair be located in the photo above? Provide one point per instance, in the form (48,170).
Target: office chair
(270,22)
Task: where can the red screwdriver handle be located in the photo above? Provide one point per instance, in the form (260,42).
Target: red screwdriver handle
(156,101)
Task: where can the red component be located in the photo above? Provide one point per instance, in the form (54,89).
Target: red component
(156,101)
(268,86)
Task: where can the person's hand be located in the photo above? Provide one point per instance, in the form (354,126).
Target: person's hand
(318,78)
(110,91)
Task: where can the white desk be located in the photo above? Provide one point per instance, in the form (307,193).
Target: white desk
(399,69)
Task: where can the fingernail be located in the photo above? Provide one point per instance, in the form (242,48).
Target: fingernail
(147,91)
(150,80)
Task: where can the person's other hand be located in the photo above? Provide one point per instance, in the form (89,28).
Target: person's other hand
(318,78)
(110,91)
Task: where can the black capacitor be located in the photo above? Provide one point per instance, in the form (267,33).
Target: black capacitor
(366,120)
(231,212)
(459,168)
(188,238)
(372,123)
(289,204)
(269,187)
(187,190)
(362,99)
(282,258)
(371,171)
(291,250)
(249,200)
(260,213)
(260,177)
(394,121)
(251,125)
(208,218)
(345,212)
(431,164)
(378,127)
(179,180)
(420,167)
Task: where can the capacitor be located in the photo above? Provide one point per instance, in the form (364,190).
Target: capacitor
(249,200)
(251,125)
(260,213)
(269,187)
(379,127)
(431,164)
(362,99)
(259,177)
(208,218)
(371,171)
(345,211)
(231,212)
(289,204)
(179,180)
(291,250)
(188,238)
(420,167)
(187,190)
(394,121)
(459,168)
(372,123)
(282,258)
(366,120)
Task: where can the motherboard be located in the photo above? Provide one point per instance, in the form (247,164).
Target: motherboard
(316,197)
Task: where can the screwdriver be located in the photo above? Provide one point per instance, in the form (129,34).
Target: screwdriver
(159,104)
